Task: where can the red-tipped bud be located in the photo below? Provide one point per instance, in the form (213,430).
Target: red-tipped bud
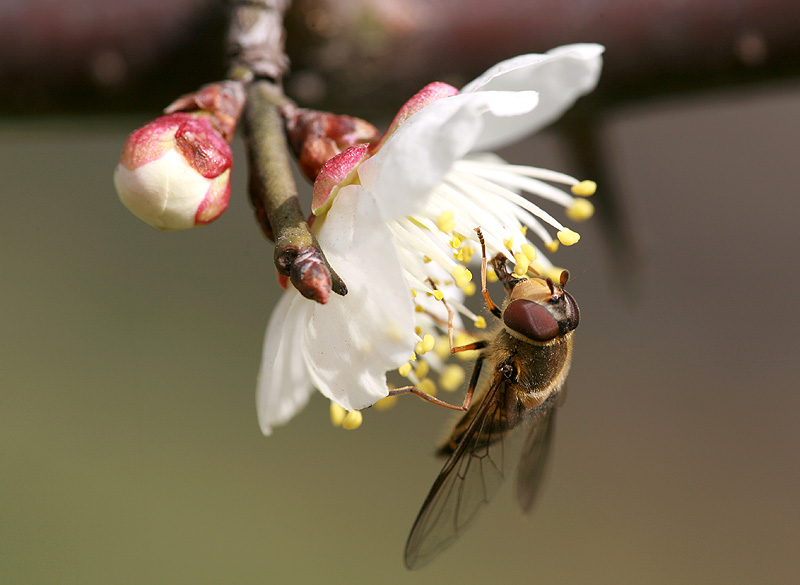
(174,172)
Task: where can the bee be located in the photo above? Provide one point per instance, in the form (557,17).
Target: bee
(529,358)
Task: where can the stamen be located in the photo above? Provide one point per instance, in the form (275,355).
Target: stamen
(580,210)
(338,414)
(465,339)
(442,347)
(529,185)
(553,273)
(446,221)
(470,289)
(552,245)
(425,345)
(568,237)
(529,251)
(464,254)
(405,369)
(385,403)
(452,378)
(585,188)
(480,322)
(522,265)
(474,166)
(352,420)
(462,276)
(422,369)
(427,386)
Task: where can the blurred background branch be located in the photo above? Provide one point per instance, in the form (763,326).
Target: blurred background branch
(370,55)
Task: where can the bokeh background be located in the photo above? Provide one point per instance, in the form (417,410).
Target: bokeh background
(129,447)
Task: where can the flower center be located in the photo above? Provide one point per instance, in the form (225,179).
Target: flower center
(437,244)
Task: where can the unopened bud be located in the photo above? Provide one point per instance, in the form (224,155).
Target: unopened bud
(174,172)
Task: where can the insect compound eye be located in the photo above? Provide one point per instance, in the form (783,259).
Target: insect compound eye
(574,312)
(531,320)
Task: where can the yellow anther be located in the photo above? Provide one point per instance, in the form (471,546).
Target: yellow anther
(427,386)
(529,251)
(480,322)
(337,414)
(580,210)
(508,243)
(491,276)
(425,259)
(419,309)
(428,342)
(452,378)
(385,403)
(584,188)
(352,420)
(470,289)
(568,237)
(418,349)
(446,221)
(413,293)
(442,347)
(455,243)
(438,295)
(464,254)
(422,369)
(465,339)
(462,276)
(553,273)
(522,264)
(404,370)
(412,357)
(418,330)
(524,230)
(552,246)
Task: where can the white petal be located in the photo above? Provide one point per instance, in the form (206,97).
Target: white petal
(165,192)
(561,76)
(283,383)
(423,149)
(352,341)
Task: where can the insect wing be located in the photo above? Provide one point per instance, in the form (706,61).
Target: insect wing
(466,483)
(535,453)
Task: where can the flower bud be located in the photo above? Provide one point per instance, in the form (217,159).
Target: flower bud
(174,172)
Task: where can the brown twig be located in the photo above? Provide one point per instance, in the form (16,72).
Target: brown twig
(274,192)
(255,46)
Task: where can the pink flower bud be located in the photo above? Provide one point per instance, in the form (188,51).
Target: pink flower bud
(174,172)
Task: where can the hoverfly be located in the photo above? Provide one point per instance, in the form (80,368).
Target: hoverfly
(530,357)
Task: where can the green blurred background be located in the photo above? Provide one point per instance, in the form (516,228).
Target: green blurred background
(130,449)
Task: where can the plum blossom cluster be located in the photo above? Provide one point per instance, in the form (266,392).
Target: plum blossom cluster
(397,221)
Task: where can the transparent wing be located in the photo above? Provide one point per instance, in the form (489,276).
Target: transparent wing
(535,453)
(466,483)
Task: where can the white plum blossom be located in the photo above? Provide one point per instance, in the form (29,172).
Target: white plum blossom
(175,171)
(395,216)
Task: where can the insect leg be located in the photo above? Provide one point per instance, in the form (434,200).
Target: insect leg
(489,303)
(468,347)
(473,382)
